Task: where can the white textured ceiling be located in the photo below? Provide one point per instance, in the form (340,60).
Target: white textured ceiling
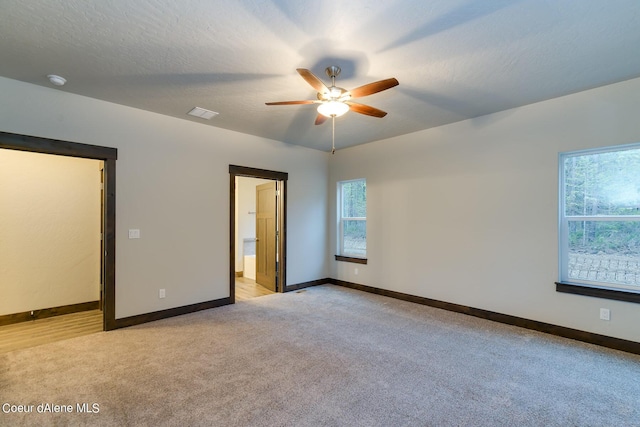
(454,59)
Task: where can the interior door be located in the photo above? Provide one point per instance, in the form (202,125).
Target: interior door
(266,235)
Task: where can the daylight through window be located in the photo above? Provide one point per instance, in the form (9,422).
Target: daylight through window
(352,227)
(600,218)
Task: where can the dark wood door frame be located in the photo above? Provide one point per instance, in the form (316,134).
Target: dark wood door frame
(236,171)
(109,156)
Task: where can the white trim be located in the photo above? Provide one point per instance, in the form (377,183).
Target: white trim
(623,147)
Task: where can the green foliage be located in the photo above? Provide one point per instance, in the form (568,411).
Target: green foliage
(354,205)
(606,237)
(354,199)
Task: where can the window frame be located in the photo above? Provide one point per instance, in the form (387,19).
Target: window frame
(584,286)
(341,255)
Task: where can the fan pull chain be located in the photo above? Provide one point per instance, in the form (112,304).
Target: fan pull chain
(333,134)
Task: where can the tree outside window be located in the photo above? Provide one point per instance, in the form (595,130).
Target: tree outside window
(352,227)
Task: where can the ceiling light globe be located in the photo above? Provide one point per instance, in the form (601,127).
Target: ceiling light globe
(333,108)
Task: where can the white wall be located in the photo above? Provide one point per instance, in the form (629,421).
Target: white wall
(49,231)
(467,213)
(173,184)
(245,221)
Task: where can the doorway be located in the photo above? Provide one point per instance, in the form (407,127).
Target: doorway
(257,232)
(108,156)
(50,236)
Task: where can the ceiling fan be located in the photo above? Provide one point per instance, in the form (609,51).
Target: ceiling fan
(334,101)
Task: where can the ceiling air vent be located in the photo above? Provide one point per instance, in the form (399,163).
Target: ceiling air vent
(202,113)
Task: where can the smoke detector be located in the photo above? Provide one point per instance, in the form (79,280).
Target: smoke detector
(56,80)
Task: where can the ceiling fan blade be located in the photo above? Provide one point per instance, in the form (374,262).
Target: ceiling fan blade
(374,87)
(320,119)
(292,102)
(315,82)
(365,109)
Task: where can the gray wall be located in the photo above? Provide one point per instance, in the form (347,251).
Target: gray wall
(467,213)
(464,213)
(173,185)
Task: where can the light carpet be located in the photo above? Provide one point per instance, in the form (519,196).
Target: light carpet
(323,356)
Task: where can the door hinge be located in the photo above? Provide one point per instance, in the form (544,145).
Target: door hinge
(277,193)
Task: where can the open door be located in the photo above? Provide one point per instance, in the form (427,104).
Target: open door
(271,247)
(266,235)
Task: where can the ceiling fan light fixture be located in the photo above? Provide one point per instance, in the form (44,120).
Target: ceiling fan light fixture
(333,108)
(335,92)
(335,101)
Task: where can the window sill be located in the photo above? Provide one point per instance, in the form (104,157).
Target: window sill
(351,259)
(598,292)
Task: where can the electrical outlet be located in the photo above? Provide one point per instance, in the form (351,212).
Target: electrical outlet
(605,314)
(162,293)
(355,271)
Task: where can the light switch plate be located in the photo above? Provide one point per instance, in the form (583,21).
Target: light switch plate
(134,233)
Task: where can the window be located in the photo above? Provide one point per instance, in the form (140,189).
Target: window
(352,215)
(600,219)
